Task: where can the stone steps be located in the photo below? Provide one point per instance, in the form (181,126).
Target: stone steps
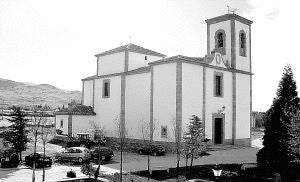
(221,147)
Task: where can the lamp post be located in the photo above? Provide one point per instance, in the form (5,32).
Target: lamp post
(217,170)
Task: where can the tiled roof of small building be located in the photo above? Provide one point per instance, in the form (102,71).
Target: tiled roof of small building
(76,109)
(131,48)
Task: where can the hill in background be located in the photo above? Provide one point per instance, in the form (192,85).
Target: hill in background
(27,94)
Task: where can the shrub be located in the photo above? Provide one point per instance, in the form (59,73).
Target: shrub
(59,132)
(71,174)
(88,169)
(76,143)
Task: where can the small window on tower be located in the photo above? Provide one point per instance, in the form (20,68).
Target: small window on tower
(242,41)
(61,123)
(164,131)
(146,57)
(106,89)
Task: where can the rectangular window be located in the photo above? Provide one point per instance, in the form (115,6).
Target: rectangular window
(146,57)
(164,131)
(61,123)
(218,84)
(106,88)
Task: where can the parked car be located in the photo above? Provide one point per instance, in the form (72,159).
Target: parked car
(76,154)
(8,158)
(104,153)
(40,160)
(152,149)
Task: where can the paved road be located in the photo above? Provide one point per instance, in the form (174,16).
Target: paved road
(132,162)
(135,162)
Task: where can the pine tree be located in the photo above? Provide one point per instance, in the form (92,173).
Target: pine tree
(280,139)
(16,136)
(196,143)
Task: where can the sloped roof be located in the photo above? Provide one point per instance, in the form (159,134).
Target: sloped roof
(177,58)
(131,48)
(228,17)
(76,109)
(134,71)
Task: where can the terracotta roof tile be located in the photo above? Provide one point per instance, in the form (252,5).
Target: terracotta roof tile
(76,109)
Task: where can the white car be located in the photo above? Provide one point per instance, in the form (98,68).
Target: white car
(77,154)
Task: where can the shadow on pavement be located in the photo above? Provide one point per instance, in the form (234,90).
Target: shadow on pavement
(5,172)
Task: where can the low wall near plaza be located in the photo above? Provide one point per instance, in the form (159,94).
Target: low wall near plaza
(131,145)
(82,179)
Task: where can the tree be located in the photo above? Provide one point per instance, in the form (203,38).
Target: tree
(38,119)
(16,136)
(280,136)
(46,132)
(296,126)
(99,135)
(146,128)
(195,143)
(121,134)
(178,144)
(258,118)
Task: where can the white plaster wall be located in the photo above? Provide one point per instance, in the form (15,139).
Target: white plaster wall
(82,124)
(108,109)
(58,118)
(164,100)
(213,104)
(113,63)
(242,106)
(88,93)
(192,92)
(137,60)
(242,63)
(137,104)
(226,27)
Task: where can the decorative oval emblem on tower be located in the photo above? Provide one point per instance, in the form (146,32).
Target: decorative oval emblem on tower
(218,58)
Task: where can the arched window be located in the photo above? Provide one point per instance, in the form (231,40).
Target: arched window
(220,41)
(242,41)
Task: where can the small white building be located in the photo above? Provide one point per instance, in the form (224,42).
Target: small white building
(138,87)
(75,119)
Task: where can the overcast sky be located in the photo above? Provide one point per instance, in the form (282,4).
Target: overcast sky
(54,41)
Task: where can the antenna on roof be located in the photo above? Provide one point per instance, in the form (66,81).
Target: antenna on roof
(231,10)
(130,39)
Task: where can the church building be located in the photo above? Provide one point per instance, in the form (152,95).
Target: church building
(139,90)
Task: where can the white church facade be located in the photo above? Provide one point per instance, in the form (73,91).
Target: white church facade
(138,87)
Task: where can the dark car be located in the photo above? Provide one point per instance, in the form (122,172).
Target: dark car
(40,159)
(104,153)
(8,158)
(152,149)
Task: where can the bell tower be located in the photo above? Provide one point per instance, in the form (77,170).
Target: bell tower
(230,34)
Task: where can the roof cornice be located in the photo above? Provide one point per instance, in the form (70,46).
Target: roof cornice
(141,70)
(228,17)
(131,48)
(191,60)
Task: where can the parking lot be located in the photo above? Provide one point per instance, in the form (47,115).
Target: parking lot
(131,162)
